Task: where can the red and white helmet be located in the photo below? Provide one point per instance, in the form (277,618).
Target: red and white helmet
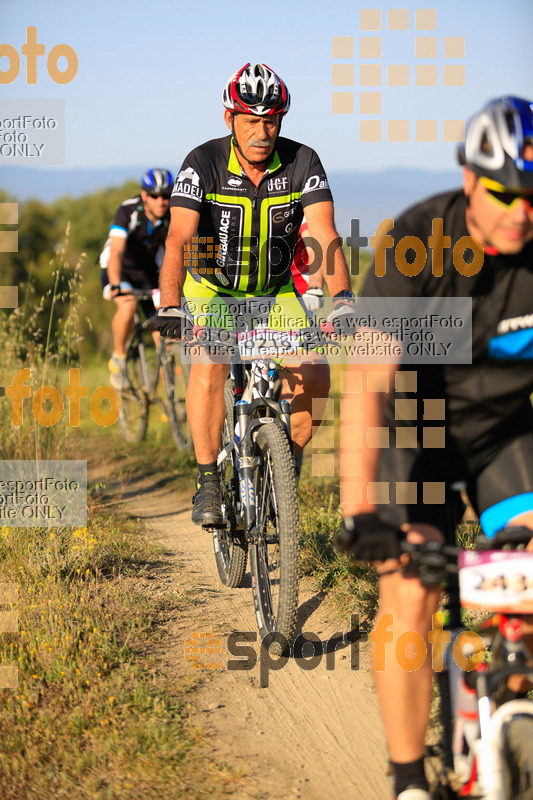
(256,90)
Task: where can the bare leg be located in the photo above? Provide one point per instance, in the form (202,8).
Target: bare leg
(305,384)
(205,408)
(122,324)
(404,696)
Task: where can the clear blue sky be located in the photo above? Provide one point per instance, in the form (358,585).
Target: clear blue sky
(150,75)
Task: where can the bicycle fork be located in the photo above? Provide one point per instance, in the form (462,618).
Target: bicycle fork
(245,432)
(511,658)
(484,763)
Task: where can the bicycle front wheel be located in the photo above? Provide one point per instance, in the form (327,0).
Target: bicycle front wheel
(231,548)
(519,761)
(274,557)
(175,378)
(133,417)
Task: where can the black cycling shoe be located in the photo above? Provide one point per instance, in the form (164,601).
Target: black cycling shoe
(207,504)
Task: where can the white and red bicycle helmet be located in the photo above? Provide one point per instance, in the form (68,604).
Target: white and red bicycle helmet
(256,89)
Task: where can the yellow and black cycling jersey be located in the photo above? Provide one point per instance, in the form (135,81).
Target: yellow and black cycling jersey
(247,234)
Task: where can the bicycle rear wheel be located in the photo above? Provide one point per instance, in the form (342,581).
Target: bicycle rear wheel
(519,761)
(274,557)
(175,378)
(231,548)
(133,417)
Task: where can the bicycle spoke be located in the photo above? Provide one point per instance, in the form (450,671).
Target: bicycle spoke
(133,417)
(275,554)
(231,548)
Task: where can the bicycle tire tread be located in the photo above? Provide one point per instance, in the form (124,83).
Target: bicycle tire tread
(133,427)
(231,573)
(178,428)
(273,437)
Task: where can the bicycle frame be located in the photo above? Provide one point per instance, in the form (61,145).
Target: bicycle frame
(150,381)
(258,379)
(485,763)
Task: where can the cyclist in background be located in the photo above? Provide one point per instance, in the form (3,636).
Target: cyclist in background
(486,438)
(246,193)
(133,255)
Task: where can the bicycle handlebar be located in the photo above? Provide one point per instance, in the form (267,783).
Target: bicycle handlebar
(139,294)
(511,535)
(433,560)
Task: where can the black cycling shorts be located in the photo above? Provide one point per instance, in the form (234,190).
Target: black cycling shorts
(500,491)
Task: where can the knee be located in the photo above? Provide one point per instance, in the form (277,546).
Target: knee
(411,607)
(207,379)
(126,308)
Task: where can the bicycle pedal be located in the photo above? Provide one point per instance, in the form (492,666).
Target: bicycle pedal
(221,527)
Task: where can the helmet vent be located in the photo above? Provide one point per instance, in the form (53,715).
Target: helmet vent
(485,145)
(509,118)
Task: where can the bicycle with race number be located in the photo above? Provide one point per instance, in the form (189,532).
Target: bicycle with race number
(485,749)
(144,372)
(258,478)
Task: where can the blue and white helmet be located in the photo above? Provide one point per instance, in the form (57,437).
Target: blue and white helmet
(495,141)
(157,181)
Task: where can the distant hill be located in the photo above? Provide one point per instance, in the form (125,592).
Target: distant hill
(50,183)
(374,196)
(367,196)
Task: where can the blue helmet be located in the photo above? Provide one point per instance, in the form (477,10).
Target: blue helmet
(495,141)
(157,182)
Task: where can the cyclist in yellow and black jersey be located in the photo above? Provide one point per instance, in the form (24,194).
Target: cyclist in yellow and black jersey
(245,196)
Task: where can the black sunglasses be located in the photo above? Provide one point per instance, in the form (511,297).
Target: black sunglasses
(505,196)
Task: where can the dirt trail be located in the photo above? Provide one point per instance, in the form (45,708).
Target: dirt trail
(311,734)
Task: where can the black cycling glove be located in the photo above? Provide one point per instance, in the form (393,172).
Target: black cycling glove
(368,538)
(342,315)
(172,322)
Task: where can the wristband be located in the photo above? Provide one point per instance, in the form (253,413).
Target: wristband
(114,286)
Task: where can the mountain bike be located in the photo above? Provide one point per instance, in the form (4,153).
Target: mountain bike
(258,479)
(144,374)
(485,749)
